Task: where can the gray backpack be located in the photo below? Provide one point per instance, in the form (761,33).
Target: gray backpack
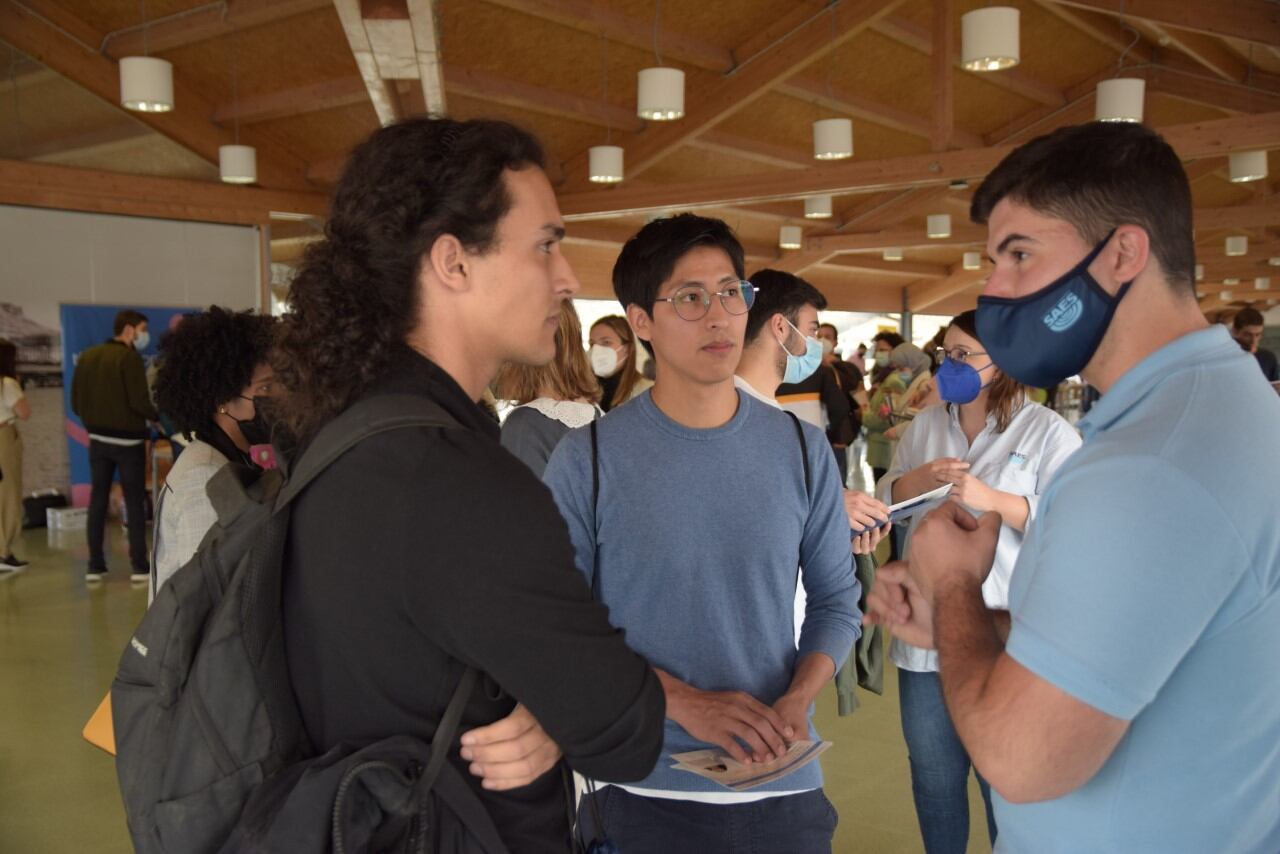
(211,751)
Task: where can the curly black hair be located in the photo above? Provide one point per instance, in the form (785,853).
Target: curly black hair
(355,298)
(206,362)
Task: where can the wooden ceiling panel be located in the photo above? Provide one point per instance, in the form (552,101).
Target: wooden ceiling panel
(262,64)
(874,65)
(561,138)
(788,122)
(316,136)
(983,107)
(714,23)
(44,108)
(688,163)
(107,16)
(469,30)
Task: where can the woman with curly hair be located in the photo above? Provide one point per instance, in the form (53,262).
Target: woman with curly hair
(551,399)
(424,550)
(214,372)
(613,360)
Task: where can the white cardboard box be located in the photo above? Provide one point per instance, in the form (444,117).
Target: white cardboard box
(66,518)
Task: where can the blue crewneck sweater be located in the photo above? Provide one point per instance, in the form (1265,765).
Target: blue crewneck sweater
(701,537)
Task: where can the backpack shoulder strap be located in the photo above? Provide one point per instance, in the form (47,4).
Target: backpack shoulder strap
(358,422)
(804,453)
(595,475)
(445,731)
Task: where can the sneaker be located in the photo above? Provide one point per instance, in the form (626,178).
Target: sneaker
(95,573)
(10,563)
(139,575)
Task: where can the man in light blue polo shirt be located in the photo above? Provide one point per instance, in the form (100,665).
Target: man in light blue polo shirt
(1130,698)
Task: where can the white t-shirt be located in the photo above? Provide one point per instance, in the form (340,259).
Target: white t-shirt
(10,393)
(1021,460)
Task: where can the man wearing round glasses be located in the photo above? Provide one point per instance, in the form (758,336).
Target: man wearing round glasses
(704,515)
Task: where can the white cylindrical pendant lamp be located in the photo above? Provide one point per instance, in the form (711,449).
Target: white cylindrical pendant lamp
(1262,283)
(1199,272)
(939,225)
(893,254)
(660,95)
(790,237)
(1231,280)
(817,207)
(1120,100)
(1237,244)
(832,139)
(973,260)
(238,164)
(146,84)
(989,39)
(1226,296)
(605,164)
(1248,166)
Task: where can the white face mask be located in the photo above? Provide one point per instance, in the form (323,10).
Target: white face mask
(141,340)
(604,360)
(828,346)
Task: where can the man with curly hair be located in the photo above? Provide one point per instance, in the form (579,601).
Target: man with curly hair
(214,373)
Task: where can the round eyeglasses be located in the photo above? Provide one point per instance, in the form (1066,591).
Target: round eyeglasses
(692,302)
(955,354)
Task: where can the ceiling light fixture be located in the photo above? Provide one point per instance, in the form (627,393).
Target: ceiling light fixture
(1120,99)
(790,237)
(939,225)
(817,207)
(989,39)
(1247,166)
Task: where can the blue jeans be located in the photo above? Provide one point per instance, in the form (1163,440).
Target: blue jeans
(939,766)
(792,824)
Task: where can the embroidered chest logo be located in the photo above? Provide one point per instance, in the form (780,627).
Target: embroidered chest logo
(1064,315)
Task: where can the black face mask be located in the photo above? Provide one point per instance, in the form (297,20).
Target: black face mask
(256,430)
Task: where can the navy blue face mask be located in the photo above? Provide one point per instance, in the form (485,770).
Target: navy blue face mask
(1045,337)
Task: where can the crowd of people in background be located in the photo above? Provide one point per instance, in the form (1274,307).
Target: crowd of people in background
(648,567)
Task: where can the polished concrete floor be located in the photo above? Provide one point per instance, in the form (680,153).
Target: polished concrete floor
(60,639)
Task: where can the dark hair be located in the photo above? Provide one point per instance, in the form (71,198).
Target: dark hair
(893,339)
(830,326)
(356,296)
(206,361)
(779,293)
(628,376)
(1098,176)
(1247,316)
(8,358)
(1005,395)
(127,317)
(647,259)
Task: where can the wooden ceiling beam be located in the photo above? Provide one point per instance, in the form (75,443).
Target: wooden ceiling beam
(1192,142)
(1207,51)
(608,234)
(1014,80)
(750,81)
(962,234)
(870,264)
(189,125)
(205,23)
(926,294)
(1200,89)
(294,101)
(1255,21)
(1214,301)
(1237,216)
(66,188)
(598,20)
(777,156)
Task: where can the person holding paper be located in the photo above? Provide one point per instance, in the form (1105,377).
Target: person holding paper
(998,450)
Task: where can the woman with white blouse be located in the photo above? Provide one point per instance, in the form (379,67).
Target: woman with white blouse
(14,407)
(999,450)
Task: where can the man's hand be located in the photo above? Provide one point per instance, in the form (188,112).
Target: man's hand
(726,718)
(950,543)
(896,603)
(866,512)
(794,711)
(510,753)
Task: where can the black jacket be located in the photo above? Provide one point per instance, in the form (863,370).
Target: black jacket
(824,385)
(422,549)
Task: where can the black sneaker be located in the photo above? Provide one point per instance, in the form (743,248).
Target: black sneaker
(95,573)
(10,563)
